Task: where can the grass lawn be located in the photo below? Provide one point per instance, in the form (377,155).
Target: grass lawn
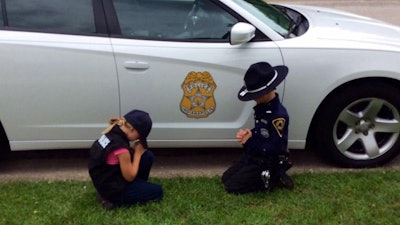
(350,198)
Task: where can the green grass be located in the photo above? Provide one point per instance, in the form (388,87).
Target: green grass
(362,197)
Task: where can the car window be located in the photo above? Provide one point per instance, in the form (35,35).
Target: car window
(72,16)
(1,16)
(173,19)
(267,13)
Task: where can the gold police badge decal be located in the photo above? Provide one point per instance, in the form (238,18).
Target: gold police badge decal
(198,95)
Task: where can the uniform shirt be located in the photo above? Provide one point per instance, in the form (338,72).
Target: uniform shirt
(270,133)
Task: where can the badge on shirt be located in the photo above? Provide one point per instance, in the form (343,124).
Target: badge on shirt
(264,121)
(279,125)
(264,132)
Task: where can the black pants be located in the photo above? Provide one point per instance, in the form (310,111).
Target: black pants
(243,176)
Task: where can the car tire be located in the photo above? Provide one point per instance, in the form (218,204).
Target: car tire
(360,125)
(4,144)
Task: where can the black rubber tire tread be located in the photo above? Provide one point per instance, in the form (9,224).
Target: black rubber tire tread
(4,143)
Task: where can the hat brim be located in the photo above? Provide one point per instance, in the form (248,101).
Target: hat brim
(282,72)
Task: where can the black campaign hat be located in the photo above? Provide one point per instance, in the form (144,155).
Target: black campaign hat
(260,79)
(141,121)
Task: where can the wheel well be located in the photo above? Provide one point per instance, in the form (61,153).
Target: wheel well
(310,140)
(4,143)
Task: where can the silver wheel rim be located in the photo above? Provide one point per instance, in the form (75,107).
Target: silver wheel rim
(366,129)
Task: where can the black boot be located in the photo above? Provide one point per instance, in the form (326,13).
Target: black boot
(284,165)
(286,181)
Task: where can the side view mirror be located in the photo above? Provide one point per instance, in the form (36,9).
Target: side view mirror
(242,33)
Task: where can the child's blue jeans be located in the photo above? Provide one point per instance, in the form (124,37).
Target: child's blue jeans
(140,191)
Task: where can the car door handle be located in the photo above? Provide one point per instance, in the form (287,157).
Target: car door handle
(136,65)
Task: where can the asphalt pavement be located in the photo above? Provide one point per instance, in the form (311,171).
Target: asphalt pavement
(72,164)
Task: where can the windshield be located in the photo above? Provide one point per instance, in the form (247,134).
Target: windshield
(270,15)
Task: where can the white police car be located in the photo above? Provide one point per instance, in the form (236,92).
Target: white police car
(67,66)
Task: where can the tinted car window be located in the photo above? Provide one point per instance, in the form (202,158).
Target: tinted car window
(72,16)
(173,19)
(1,16)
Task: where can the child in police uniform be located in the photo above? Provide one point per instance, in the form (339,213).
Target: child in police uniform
(118,172)
(264,163)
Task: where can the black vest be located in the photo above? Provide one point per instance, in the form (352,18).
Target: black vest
(108,179)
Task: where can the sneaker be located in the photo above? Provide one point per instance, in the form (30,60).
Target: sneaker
(106,204)
(286,181)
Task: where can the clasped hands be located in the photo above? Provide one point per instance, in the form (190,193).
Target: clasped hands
(243,135)
(138,148)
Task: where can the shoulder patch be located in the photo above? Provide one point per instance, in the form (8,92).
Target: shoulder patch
(279,125)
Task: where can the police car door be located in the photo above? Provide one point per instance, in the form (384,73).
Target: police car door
(175,61)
